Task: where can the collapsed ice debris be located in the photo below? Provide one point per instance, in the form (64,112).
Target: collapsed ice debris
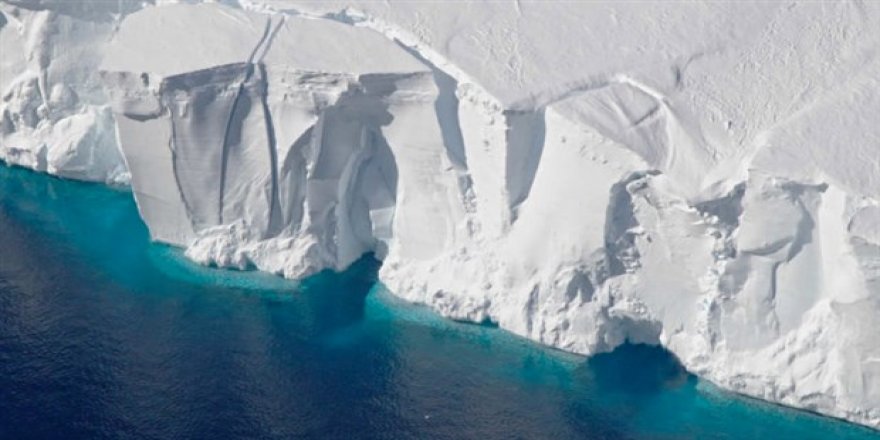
(704,176)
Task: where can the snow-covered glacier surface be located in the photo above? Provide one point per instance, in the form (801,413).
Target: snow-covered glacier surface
(704,176)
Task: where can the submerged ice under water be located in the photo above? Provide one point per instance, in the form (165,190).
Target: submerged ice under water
(104,335)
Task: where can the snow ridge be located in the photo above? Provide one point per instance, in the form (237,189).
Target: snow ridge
(640,200)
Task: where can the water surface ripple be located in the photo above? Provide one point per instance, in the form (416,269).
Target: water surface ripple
(104,335)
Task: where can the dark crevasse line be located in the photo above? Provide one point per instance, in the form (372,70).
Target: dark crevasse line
(276,222)
(224,156)
(252,66)
(172,146)
(263,41)
(99,340)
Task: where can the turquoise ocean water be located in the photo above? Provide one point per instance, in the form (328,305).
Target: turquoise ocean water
(105,335)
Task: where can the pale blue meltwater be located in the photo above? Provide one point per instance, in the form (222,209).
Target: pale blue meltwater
(105,335)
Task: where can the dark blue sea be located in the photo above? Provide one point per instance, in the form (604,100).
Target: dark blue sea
(105,335)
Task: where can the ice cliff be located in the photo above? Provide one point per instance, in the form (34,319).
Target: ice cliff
(705,176)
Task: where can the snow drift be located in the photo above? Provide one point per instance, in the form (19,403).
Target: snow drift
(701,176)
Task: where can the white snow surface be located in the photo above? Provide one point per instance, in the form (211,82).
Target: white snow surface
(704,175)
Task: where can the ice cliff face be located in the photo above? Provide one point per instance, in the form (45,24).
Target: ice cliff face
(54,115)
(579,174)
(276,143)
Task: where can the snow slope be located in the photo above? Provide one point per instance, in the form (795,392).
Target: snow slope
(705,176)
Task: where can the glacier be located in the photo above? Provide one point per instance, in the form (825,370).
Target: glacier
(703,176)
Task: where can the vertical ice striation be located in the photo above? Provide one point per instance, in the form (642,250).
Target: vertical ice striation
(581,175)
(280,146)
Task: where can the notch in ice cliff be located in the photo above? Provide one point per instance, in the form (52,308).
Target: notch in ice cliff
(716,191)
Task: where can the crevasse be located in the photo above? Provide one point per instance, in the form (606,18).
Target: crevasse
(579,201)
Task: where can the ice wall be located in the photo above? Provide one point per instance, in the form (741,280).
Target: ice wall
(54,115)
(276,143)
(578,174)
